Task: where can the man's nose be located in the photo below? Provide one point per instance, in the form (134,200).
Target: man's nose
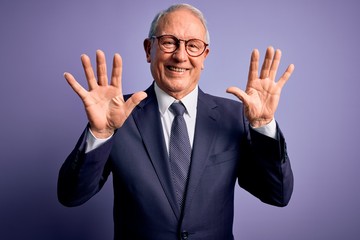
(180,53)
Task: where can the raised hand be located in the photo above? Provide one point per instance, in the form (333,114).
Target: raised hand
(104,104)
(262,94)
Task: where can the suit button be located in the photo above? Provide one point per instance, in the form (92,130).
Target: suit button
(184,235)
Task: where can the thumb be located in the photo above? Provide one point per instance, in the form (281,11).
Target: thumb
(133,101)
(240,94)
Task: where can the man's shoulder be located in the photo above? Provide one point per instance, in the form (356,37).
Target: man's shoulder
(220,101)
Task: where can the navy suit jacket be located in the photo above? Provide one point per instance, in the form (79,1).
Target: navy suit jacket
(225,150)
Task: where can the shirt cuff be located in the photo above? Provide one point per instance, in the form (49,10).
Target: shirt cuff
(93,142)
(268,130)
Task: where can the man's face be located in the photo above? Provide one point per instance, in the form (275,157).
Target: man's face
(176,73)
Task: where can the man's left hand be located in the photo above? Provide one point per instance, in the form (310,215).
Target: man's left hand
(262,94)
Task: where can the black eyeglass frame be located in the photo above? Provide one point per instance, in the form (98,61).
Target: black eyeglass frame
(178,44)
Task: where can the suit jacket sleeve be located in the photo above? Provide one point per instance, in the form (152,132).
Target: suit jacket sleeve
(265,171)
(83,175)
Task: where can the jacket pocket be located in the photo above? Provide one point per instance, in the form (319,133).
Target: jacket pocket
(219,158)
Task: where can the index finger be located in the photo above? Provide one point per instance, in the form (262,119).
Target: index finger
(116,75)
(89,72)
(254,65)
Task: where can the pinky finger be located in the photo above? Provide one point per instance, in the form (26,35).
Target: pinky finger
(78,89)
(285,77)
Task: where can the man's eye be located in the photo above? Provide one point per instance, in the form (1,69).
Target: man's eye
(193,46)
(169,43)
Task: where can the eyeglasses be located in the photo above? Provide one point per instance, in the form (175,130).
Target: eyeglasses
(169,44)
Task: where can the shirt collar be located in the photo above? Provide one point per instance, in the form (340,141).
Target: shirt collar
(165,100)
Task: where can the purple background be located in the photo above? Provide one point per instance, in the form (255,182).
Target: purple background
(41,118)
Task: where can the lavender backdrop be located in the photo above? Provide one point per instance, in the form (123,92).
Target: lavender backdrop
(41,118)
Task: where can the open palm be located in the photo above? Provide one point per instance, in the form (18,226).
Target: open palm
(262,93)
(104,103)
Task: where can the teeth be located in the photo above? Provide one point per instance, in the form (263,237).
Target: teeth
(177,69)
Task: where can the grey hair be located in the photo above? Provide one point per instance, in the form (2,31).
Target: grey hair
(192,9)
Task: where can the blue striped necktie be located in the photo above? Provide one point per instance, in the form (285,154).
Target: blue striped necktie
(179,152)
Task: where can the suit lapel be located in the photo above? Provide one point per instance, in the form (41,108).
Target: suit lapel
(147,119)
(205,132)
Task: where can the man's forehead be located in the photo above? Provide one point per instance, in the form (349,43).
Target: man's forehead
(180,20)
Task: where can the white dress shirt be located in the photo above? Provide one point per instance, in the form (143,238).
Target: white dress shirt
(166,116)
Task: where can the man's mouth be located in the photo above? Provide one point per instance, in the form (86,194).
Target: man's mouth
(176,69)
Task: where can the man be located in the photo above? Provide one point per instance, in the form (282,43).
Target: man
(132,137)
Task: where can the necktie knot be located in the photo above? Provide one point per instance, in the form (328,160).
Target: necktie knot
(177,108)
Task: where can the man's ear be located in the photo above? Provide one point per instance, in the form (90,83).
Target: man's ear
(147,48)
(205,54)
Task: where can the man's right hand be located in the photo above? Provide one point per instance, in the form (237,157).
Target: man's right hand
(104,103)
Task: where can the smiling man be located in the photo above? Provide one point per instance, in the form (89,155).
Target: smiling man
(175,152)
(176,64)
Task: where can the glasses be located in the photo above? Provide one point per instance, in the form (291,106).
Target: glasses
(169,44)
